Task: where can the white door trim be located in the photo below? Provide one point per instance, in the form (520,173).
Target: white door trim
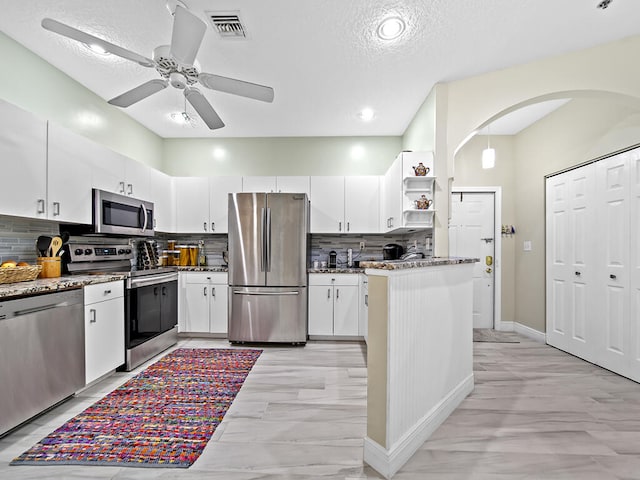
(497,279)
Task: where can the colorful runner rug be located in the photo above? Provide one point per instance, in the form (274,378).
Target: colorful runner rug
(162,417)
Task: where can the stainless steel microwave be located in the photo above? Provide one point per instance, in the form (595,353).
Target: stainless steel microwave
(115,214)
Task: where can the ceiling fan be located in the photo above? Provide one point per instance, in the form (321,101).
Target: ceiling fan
(175,64)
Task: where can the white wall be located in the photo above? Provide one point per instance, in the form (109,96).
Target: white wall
(280,156)
(34,85)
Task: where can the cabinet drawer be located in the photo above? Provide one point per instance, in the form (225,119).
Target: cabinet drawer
(103,291)
(333,279)
(217,278)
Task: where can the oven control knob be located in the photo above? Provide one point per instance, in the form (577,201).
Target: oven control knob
(88,251)
(128,251)
(121,251)
(78,251)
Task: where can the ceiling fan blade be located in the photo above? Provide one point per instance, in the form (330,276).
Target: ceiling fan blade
(136,94)
(201,105)
(188,31)
(236,87)
(89,40)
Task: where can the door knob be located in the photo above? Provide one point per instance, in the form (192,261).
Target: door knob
(488,270)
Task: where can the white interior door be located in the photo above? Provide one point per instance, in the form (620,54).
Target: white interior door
(471,234)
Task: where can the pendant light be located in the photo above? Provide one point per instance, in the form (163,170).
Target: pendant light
(488,154)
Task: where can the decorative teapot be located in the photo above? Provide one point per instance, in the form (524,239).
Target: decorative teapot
(421,170)
(423,203)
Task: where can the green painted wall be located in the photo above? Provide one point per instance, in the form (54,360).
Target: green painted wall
(280,156)
(35,85)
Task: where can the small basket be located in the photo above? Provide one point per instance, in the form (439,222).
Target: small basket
(19,274)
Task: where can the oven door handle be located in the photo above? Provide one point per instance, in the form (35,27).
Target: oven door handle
(152,280)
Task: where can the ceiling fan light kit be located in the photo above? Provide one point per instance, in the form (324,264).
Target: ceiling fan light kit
(176,65)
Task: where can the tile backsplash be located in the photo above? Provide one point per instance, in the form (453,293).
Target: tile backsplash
(18,236)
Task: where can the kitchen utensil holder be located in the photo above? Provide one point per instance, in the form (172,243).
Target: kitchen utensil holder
(51,266)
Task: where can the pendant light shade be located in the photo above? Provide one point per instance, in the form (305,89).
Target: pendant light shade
(488,158)
(488,154)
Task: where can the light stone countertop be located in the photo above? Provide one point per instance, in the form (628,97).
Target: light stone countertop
(336,270)
(9,291)
(416,263)
(208,268)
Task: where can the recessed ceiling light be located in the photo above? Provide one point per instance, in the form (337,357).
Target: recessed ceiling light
(391,28)
(366,115)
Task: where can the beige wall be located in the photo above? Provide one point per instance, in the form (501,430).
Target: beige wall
(280,156)
(36,86)
(469,173)
(582,130)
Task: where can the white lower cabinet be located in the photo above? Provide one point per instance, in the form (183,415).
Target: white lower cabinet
(103,328)
(203,302)
(333,304)
(592,259)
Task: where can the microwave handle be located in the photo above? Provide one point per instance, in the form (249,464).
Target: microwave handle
(146,219)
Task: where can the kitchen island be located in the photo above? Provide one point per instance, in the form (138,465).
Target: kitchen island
(419,354)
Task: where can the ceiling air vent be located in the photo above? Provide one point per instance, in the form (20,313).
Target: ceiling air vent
(228,25)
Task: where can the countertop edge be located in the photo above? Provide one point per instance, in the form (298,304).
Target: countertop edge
(12,291)
(413,264)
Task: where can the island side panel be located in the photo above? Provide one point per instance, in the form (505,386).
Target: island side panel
(377,361)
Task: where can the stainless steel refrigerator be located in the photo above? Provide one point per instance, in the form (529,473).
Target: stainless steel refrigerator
(268,261)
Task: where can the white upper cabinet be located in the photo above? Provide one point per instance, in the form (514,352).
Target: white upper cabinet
(108,169)
(69,175)
(362,204)
(136,177)
(23,150)
(292,184)
(402,187)
(162,194)
(259,184)
(327,204)
(219,190)
(192,204)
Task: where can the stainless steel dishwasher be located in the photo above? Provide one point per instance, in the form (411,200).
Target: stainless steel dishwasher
(41,354)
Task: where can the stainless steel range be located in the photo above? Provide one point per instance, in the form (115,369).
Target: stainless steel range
(151,297)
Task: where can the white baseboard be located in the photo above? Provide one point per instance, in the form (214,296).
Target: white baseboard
(388,462)
(505,327)
(529,332)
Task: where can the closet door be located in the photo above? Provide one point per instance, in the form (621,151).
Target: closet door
(571,258)
(611,303)
(634,263)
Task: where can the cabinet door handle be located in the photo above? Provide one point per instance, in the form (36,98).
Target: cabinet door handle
(366,300)
(107,292)
(204,291)
(205,226)
(337,293)
(328,293)
(612,276)
(130,192)
(56,209)
(339,226)
(348,226)
(578,274)
(121,187)
(213,226)
(213,292)
(164,291)
(40,205)
(155,290)
(92,315)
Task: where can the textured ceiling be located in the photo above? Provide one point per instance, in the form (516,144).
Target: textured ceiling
(322,57)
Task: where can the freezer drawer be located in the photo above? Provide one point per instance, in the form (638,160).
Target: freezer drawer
(268,314)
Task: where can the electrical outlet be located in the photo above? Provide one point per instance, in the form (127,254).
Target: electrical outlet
(361,245)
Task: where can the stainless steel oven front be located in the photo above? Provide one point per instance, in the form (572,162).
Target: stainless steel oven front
(151,312)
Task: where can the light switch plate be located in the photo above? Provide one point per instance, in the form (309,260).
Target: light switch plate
(527,245)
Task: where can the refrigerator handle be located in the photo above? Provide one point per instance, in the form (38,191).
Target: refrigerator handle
(268,242)
(262,222)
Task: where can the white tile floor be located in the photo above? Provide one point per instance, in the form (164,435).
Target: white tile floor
(536,413)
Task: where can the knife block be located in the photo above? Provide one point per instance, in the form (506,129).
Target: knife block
(51,267)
